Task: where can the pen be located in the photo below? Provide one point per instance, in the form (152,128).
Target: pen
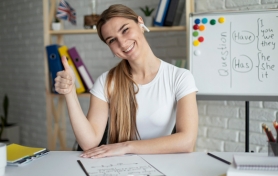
(275,124)
(82,167)
(216,157)
(268,133)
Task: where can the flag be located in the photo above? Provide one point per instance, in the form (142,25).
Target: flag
(66,12)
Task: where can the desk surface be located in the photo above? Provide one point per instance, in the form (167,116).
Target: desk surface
(65,163)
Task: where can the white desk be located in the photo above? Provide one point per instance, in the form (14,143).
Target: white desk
(65,163)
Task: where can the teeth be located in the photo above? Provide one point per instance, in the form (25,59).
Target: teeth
(129,48)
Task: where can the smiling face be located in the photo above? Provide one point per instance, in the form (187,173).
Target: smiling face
(124,37)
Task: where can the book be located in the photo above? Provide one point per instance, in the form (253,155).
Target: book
(80,88)
(54,64)
(161,12)
(82,69)
(18,155)
(180,16)
(171,13)
(253,162)
(232,171)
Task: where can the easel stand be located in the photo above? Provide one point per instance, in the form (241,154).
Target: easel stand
(247,126)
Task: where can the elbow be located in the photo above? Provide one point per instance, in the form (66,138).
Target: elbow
(188,146)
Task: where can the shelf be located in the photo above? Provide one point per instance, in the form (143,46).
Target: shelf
(92,31)
(79,95)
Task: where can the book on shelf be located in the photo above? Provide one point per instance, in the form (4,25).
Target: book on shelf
(161,12)
(179,62)
(18,155)
(180,14)
(171,13)
(80,88)
(253,165)
(54,64)
(81,68)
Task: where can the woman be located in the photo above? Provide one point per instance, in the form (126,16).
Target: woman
(143,96)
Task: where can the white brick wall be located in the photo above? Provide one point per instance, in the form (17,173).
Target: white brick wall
(221,126)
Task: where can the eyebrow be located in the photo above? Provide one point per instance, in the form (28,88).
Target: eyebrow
(118,31)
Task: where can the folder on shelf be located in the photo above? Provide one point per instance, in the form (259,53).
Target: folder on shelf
(18,155)
(82,69)
(63,50)
(54,63)
(171,13)
(161,12)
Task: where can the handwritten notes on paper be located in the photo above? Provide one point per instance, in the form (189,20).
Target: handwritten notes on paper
(238,54)
(119,166)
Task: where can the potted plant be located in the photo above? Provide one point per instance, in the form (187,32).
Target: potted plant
(56,25)
(148,19)
(9,132)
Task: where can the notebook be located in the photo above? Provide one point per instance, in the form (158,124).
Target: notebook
(253,162)
(232,171)
(18,155)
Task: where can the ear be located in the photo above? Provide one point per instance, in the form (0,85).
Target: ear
(140,22)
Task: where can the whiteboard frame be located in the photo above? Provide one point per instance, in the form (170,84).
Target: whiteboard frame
(228,97)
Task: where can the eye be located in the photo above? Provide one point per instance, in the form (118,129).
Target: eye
(124,31)
(111,41)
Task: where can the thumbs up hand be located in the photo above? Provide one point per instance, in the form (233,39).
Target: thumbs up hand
(64,82)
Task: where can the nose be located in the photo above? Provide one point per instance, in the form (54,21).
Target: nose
(122,42)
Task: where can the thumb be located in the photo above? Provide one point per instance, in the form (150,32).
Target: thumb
(65,63)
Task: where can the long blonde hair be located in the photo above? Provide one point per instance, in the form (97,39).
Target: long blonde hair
(120,86)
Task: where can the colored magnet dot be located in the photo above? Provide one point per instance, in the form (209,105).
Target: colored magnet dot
(196,42)
(195,33)
(202,27)
(221,20)
(212,22)
(195,27)
(197,21)
(197,53)
(201,39)
(204,20)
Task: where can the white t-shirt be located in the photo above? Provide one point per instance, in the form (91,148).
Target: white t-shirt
(157,100)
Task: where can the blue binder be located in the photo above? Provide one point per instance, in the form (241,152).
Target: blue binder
(161,12)
(54,64)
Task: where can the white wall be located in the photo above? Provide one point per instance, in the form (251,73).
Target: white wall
(221,125)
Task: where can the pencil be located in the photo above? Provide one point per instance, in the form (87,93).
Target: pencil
(220,159)
(82,167)
(275,124)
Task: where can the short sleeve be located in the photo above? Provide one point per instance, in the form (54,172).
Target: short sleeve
(184,83)
(98,89)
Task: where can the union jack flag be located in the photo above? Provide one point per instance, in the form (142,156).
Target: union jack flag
(66,12)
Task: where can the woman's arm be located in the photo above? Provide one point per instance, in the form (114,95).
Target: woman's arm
(182,141)
(88,131)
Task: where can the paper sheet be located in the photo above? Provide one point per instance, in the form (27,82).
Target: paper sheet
(128,165)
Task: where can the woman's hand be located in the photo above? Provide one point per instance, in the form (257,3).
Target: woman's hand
(106,150)
(64,82)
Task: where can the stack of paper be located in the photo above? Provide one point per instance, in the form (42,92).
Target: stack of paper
(18,155)
(252,165)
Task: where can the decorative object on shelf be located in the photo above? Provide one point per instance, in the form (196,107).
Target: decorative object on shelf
(56,24)
(9,132)
(148,19)
(66,12)
(90,21)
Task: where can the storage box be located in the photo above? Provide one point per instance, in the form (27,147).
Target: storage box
(272,149)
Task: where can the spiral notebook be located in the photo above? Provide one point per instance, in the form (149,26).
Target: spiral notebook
(18,155)
(253,162)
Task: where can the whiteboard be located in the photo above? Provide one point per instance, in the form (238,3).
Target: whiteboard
(235,53)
